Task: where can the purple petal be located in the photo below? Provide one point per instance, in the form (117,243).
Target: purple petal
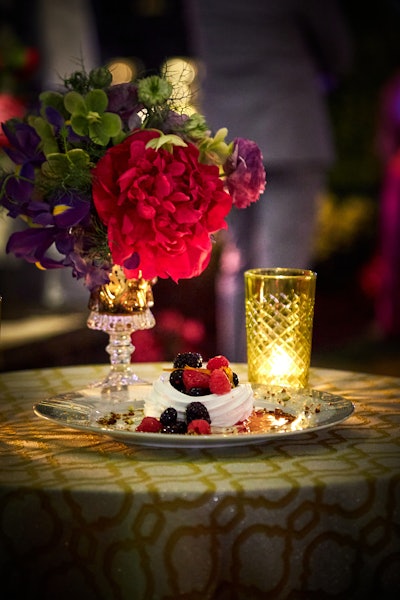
(70,210)
(245,172)
(123,100)
(132,262)
(24,141)
(31,245)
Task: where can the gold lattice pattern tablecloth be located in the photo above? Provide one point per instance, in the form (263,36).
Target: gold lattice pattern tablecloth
(314,516)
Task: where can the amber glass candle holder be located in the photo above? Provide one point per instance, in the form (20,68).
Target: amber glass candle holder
(279,322)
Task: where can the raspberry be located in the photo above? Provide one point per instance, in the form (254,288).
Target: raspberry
(195,411)
(219,382)
(168,416)
(199,427)
(190,359)
(217,361)
(149,425)
(192,378)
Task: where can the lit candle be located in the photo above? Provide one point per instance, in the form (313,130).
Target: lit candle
(279,319)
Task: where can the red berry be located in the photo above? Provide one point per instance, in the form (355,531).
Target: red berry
(219,382)
(199,426)
(192,378)
(149,425)
(217,362)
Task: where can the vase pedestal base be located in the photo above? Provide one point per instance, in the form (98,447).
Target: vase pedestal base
(120,328)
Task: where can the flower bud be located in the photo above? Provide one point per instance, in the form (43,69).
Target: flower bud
(100,78)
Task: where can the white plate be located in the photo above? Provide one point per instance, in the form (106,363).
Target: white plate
(314,410)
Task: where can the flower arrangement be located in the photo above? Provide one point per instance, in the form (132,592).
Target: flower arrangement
(108,174)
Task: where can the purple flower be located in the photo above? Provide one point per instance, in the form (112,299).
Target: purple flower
(66,211)
(123,100)
(245,172)
(24,143)
(56,119)
(32,245)
(18,191)
(94,275)
(173,122)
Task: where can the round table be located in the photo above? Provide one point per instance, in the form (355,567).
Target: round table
(312,516)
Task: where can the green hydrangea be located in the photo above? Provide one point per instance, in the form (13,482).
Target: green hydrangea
(89,116)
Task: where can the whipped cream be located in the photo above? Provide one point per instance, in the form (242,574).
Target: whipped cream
(225,410)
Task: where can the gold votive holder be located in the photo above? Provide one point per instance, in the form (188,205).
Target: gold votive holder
(279,321)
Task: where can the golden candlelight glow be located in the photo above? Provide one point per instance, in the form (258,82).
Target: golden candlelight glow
(281,364)
(122,70)
(279,320)
(182,72)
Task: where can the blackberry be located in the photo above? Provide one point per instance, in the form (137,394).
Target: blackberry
(176,380)
(198,391)
(168,428)
(168,416)
(179,427)
(197,410)
(190,359)
(235,379)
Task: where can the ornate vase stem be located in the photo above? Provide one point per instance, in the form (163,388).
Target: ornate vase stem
(120,308)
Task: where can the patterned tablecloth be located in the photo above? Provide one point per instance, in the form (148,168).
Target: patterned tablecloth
(313,516)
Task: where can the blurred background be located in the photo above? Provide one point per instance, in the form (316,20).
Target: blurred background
(44,314)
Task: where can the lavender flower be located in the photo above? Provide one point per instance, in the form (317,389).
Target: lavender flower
(245,173)
(123,100)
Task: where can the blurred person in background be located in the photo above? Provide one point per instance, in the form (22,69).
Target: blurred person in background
(268,66)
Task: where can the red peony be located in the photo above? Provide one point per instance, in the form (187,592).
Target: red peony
(161,205)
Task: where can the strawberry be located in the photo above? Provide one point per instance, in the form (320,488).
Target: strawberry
(149,424)
(193,378)
(199,426)
(219,382)
(217,361)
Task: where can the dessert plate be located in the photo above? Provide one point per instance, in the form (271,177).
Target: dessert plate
(117,416)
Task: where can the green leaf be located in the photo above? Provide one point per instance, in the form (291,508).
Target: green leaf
(67,168)
(75,103)
(80,124)
(53,99)
(79,158)
(111,124)
(96,101)
(220,135)
(98,135)
(46,134)
(168,141)
(56,166)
